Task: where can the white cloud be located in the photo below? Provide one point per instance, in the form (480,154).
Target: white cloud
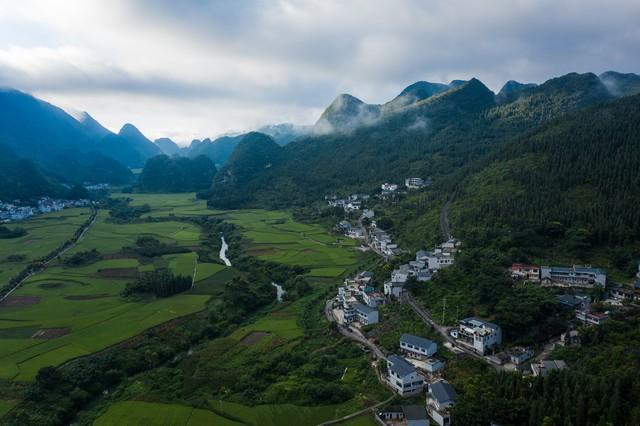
(198,68)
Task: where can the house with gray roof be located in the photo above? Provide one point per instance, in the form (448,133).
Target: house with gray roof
(417,347)
(573,276)
(365,315)
(403,376)
(441,396)
(478,334)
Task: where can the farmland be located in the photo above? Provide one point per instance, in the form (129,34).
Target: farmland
(66,312)
(44,233)
(292,366)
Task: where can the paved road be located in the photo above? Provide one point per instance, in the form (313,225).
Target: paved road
(352,334)
(441,329)
(445,229)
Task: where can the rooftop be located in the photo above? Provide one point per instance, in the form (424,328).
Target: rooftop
(442,391)
(400,366)
(364,309)
(420,342)
(414,412)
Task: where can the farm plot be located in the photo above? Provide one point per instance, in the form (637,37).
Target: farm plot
(275,236)
(44,233)
(65,312)
(148,413)
(170,204)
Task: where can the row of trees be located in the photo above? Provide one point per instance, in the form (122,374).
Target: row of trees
(160,283)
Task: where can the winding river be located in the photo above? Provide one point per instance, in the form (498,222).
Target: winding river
(223,252)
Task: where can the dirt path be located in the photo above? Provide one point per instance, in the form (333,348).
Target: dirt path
(358,413)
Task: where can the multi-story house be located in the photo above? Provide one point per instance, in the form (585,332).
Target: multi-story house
(521,271)
(480,335)
(403,376)
(441,396)
(574,276)
(417,347)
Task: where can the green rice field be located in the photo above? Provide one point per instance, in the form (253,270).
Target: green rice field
(44,233)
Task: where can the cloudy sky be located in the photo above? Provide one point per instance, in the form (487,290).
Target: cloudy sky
(200,68)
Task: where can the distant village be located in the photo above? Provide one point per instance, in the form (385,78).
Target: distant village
(416,368)
(15,212)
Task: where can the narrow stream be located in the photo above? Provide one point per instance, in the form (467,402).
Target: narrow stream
(280,291)
(223,252)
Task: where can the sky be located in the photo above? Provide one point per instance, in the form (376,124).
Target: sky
(198,68)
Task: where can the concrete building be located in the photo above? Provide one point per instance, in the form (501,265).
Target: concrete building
(365,315)
(521,271)
(441,396)
(393,289)
(403,376)
(414,182)
(519,355)
(480,335)
(417,347)
(574,276)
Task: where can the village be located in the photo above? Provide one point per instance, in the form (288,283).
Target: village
(415,369)
(16,211)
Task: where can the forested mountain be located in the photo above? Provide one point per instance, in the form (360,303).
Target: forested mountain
(217,150)
(576,179)
(70,150)
(168,147)
(620,84)
(129,146)
(179,174)
(20,178)
(435,136)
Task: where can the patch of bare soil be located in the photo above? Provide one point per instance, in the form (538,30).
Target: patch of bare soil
(253,338)
(88,296)
(50,333)
(19,301)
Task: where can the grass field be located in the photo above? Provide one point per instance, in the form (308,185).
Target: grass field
(5,406)
(147,413)
(44,233)
(281,414)
(275,236)
(64,312)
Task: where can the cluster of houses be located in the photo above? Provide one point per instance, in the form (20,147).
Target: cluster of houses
(426,264)
(562,276)
(11,212)
(413,372)
(350,204)
(582,307)
(380,241)
(357,301)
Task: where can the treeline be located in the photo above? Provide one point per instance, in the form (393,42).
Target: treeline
(120,211)
(180,174)
(159,283)
(148,246)
(6,232)
(83,258)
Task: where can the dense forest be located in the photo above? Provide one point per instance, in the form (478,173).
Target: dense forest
(180,174)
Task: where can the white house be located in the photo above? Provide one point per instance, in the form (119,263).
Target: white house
(478,334)
(403,376)
(441,396)
(439,259)
(401,274)
(389,187)
(393,289)
(433,365)
(518,354)
(365,315)
(417,347)
(373,298)
(414,182)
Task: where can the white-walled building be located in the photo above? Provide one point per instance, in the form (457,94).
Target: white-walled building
(441,396)
(417,347)
(403,376)
(480,335)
